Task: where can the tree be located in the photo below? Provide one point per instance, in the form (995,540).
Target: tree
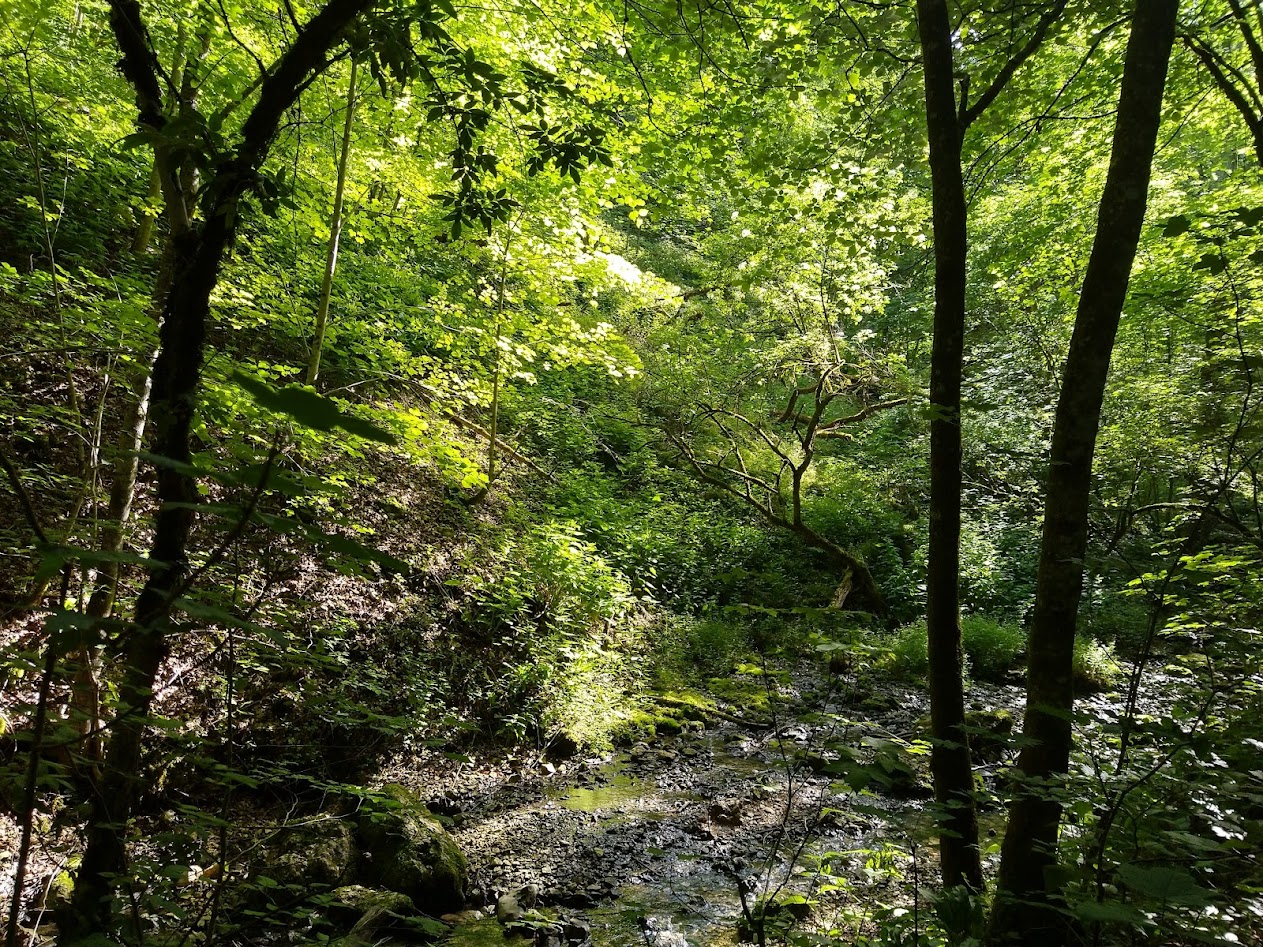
(335,233)
(947,121)
(198,250)
(1222,60)
(1025,909)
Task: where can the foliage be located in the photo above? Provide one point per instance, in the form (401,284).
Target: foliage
(1095,668)
(626,370)
(994,648)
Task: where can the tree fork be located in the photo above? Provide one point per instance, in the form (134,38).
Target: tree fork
(197,254)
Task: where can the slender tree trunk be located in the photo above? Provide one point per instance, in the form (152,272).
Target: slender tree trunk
(125,468)
(176,373)
(335,233)
(198,253)
(1025,910)
(953,774)
(146,218)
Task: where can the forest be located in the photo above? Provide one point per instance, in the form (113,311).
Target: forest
(631,473)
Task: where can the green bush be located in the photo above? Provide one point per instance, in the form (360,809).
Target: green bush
(909,652)
(993,648)
(1118,620)
(1095,667)
(712,647)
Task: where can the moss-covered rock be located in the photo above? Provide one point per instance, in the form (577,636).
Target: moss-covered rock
(358,907)
(668,726)
(408,851)
(990,731)
(318,852)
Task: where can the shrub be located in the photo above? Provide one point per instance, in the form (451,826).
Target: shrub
(712,647)
(993,648)
(909,652)
(1120,620)
(1095,667)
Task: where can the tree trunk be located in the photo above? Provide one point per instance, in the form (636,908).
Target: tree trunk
(953,774)
(175,379)
(335,232)
(197,253)
(1025,909)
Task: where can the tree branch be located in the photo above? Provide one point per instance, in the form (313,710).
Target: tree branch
(970,114)
(828,428)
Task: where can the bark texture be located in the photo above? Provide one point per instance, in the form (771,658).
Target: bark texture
(953,775)
(1026,908)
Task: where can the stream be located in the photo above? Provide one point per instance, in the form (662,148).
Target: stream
(661,836)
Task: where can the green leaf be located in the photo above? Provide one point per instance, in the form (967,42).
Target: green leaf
(213,614)
(1108,913)
(55,557)
(310,409)
(74,630)
(1213,263)
(1175,226)
(1172,885)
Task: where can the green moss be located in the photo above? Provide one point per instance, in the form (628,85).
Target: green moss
(688,704)
(410,852)
(747,692)
(668,725)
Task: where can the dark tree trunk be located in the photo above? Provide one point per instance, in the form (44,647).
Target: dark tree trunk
(176,374)
(197,254)
(953,775)
(1025,909)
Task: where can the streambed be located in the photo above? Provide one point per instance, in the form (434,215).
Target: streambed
(663,836)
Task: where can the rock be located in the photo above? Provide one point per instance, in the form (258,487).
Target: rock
(408,851)
(463,917)
(725,813)
(816,762)
(320,852)
(509,909)
(990,731)
(367,909)
(55,893)
(575,931)
(659,933)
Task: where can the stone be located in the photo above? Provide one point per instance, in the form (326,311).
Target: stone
(725,813)
(990,733)
(319,852)
(509,909)
(576,932)
(407,850)
(364,908)
(658,932)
